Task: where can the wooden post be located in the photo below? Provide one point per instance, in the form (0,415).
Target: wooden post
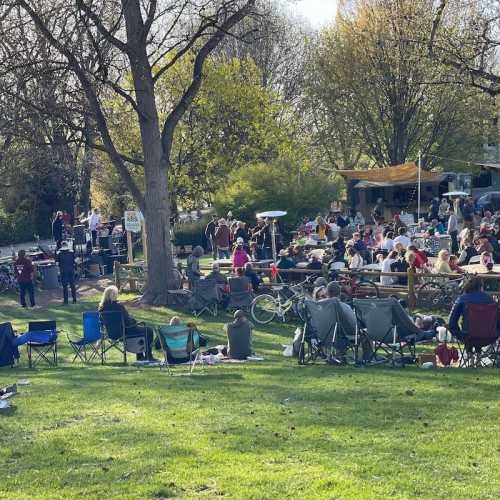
(412,298)
(129,248)
(116,272)
(144,242)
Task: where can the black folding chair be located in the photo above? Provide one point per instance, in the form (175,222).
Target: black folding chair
(205,297)
(43,351)
(240,294)
(115,336)
(376,318)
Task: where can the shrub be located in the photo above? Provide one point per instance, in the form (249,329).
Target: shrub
(259,187)
(192,233)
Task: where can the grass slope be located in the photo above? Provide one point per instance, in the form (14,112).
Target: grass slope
(261,430)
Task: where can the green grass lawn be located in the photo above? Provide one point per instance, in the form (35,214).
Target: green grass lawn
(262,430)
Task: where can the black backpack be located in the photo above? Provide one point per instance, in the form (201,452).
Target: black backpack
(8,352)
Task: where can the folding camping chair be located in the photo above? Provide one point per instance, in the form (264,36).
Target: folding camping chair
(114,336)
(240,294)
(43,343)
(378,320)
(87,347)
(326,325)
(205,297)
(482,331)
(180,344)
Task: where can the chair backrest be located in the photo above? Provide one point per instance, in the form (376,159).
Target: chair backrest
(238,284)
(482,322)
(376,316)
(42,326)
(206,290)
(113,322)
(322,316)
(179,340)
(91,326)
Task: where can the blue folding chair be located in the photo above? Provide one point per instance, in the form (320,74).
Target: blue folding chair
(87,347)
(42,342)
(180,344)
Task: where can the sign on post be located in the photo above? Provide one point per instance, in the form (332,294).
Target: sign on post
(133,221)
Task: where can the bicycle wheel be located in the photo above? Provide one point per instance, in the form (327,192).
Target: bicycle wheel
(366,289)
(430,296)
(263,309)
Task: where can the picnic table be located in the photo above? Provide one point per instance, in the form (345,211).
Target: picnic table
(480,269)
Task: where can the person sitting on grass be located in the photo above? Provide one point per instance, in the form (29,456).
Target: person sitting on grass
(109,304)
(239,336)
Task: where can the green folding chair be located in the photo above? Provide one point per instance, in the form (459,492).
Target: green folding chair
(180,345)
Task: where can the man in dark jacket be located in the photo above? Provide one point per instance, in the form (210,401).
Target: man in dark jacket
(25,273)
(57,229)
(66,261)
(210,235)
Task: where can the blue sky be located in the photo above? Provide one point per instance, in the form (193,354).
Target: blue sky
(319,12)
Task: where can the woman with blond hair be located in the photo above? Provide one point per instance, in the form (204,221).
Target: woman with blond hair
(321,227)
(109,304)
(442,264)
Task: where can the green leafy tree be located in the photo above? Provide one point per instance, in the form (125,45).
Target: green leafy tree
(375,91)
(278,186)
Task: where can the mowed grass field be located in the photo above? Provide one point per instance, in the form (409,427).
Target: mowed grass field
(266,429)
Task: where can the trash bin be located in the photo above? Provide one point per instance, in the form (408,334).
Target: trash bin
(50,276)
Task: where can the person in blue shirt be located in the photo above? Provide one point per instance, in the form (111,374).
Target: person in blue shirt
(474,294)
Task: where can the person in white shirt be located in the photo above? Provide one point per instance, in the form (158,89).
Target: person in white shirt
(355,259)
(94,220)
(453,230)
(402,238)
(388,242)
(386,268)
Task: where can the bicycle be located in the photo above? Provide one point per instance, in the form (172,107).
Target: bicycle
(355,286)
(266,307)
(8,280)
(436,295)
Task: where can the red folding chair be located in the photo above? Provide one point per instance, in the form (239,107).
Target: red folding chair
(483,332)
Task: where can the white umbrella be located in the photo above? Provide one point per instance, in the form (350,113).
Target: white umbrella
(457,194)
(272,214)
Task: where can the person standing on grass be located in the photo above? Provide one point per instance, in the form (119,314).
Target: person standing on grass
(25,272)
(453,230)
(210,234)
(57,229)
(66,260)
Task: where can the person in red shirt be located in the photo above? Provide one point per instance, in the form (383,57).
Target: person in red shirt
(24,270)
(420,257)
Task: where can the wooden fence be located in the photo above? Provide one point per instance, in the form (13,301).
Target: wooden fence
(135,275)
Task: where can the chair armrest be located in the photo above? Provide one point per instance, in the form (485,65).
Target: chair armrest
(72,336)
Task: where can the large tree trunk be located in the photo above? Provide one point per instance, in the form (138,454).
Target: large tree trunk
(157,203)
